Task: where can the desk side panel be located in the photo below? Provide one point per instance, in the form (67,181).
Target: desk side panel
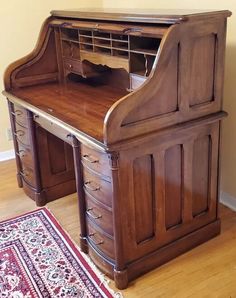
(40,66)
(186,82)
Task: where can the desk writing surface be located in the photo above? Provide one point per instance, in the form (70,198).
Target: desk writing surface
(82,106)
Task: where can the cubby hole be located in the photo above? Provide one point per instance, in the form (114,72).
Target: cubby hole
(120,37)
(120,53)
(102,50)
(70,34)
(141,64)
(85,32)
(102,42)
(86,47)
(85,39)
(102,34)
(66,48)
(120,45)
(146,45)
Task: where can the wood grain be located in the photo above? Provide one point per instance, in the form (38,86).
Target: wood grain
(213,272)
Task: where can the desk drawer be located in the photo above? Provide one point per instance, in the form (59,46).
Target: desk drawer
(98,188)
(25,155)
(73,66)
(22,134)
(53,128)
(95,160)
(20,115)
(102,242)
(28,175)
(102,217)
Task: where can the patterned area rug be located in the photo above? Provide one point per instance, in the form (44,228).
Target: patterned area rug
(37,259)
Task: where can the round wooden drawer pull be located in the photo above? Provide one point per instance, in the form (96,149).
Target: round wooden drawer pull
(88,158)
(96,242)
(89,185)
(92,214)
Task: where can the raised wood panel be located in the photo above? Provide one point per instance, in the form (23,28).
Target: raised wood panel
(173,186)
(202,69)
(55,158)
(165,100)
(47,63)
(201,174)
(143,172)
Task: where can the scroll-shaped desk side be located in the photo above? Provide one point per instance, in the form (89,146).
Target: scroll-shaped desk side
(185,83)
(38,67)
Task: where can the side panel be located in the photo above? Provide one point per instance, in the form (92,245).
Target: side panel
(56,164)
(169,188)
(143,176)
(173,186)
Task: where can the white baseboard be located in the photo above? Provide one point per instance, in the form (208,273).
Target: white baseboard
(228,200)
(5,155)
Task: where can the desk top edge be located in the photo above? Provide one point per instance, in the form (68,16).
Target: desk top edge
(169,16)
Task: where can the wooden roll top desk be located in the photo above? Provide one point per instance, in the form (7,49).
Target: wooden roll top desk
(124,108)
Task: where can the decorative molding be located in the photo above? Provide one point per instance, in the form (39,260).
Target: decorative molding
(228,200)
(6,155)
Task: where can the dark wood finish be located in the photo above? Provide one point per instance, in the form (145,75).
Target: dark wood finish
(165,16)
(126,110)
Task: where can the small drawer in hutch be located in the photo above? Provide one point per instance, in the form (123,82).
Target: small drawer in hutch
(71,65)
(100,240)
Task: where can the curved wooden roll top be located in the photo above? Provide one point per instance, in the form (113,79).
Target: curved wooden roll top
(180,77)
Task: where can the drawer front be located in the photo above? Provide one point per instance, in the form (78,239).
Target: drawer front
(20,115)
(22,134)
(73,65)
(53,128)
(28,175)
(100,240)
(95,160)
(99,215)
(98,188)
(25,155)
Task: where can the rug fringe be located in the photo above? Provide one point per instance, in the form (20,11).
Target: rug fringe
(102,277)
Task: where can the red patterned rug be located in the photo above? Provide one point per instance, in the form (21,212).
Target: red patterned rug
(37,259)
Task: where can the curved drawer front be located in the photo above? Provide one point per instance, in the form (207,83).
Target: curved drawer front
(25,155)
(95,160)
(20,115)
(100,241)
(99,215)
(22,134)
(98,188)
(28,175)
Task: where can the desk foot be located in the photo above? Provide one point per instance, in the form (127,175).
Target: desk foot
(19,180)
(83,245)
(121,279)
(40,199)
